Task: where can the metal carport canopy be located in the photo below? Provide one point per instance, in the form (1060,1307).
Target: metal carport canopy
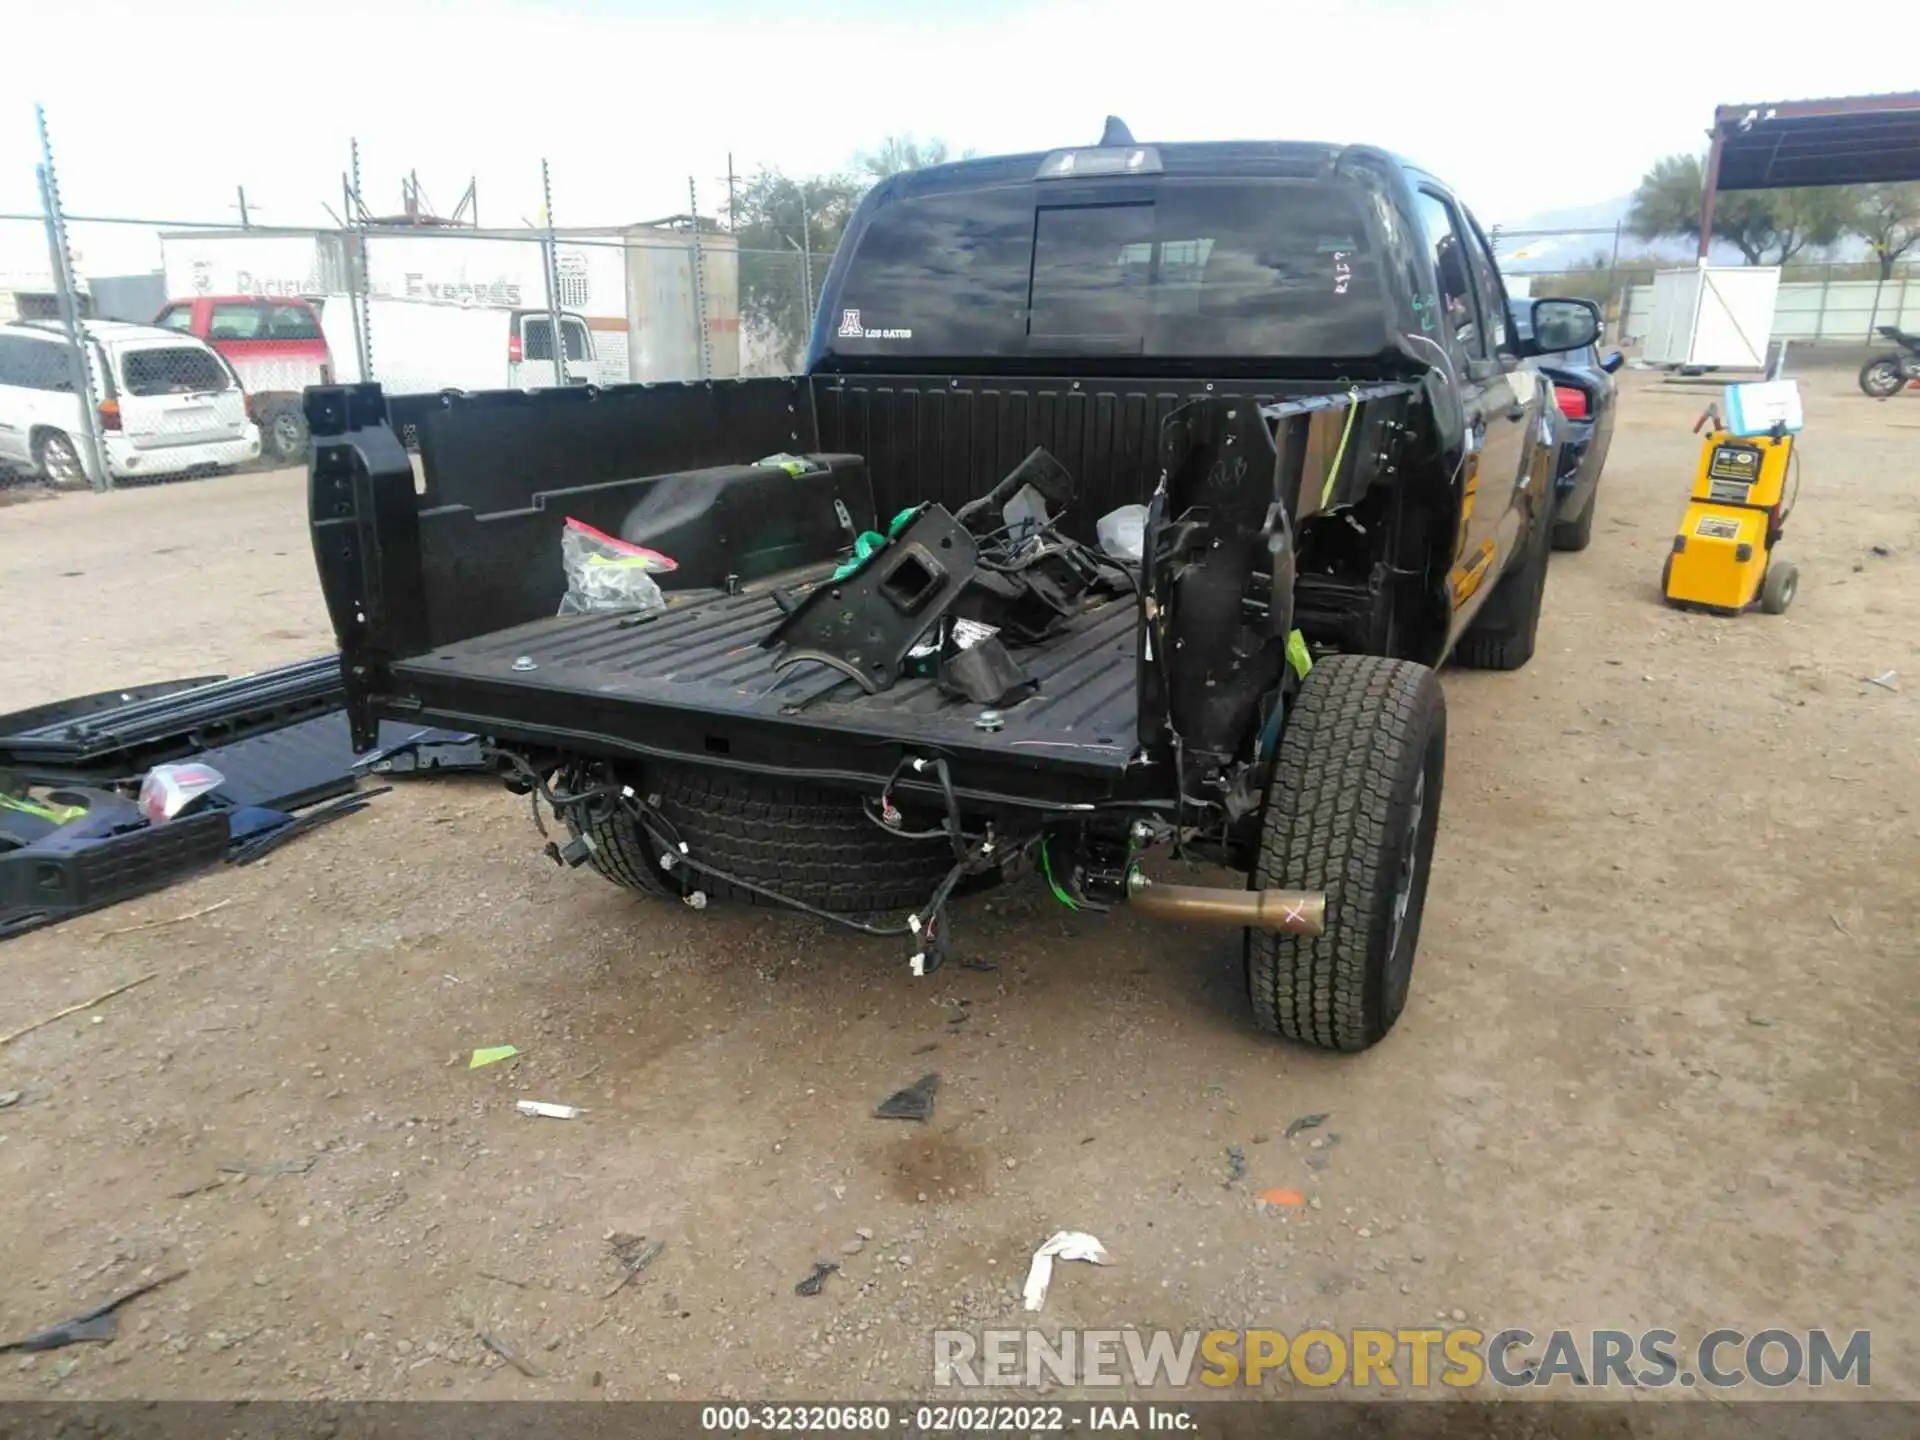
(1786,144)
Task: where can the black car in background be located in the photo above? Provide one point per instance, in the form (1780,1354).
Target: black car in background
(1584,391)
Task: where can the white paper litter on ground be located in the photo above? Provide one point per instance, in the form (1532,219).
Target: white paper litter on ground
(547,1111)
(1066,1245)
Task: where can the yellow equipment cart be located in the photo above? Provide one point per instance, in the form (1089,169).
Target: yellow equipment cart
(1723,557)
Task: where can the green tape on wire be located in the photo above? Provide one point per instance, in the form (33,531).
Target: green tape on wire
(870,542)
(865,546)
(1046,868)
(1346,433)
(1298,655)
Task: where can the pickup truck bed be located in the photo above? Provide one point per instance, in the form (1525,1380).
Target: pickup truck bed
(696,683)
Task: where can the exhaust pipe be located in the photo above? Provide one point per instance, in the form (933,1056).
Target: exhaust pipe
(1294,912)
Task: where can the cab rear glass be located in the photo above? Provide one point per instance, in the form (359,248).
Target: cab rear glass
(180,371)
(1194,268)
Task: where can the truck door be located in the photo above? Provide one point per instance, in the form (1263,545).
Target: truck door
(1497,417)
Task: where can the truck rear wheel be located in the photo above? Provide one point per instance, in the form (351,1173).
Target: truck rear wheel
(1502,634)
(803,842)
(1576,534)
(283,434)
(1352,809)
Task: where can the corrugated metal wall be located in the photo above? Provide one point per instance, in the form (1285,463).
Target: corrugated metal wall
(1836,310)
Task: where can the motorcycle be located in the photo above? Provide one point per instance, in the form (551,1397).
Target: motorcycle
(1887,375)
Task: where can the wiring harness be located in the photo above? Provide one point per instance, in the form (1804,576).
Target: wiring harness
(574,805)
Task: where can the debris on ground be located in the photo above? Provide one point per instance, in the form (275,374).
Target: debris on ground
(268,1168)
(170,920)
(353,803)
(967,962)
(1063,1245)
(635,1254)
(99,1323)
(913,1103)
(547,1110)
(1307,1122)
(1280,1195)
(14,1035)
(1884,681)
(1236,1165)
(506,1353)
(1754,1017)
(9,1098)
(816,1278)
(491,1055)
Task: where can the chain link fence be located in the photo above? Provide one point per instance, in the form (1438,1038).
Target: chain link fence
(421,303)
(418,302)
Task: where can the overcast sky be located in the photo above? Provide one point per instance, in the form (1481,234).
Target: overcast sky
(167,105)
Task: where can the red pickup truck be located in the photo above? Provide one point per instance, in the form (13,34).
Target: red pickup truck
(276,348)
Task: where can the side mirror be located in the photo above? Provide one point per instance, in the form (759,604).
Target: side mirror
(1564,325)
(1613,361)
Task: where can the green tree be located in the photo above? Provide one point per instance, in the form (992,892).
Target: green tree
(1767,227)
(1887,217)
(787,231)
(898,153)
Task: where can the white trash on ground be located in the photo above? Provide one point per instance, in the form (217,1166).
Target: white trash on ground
(1064,1245)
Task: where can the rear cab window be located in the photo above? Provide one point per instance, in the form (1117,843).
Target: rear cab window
(237,322)
(176,317)
(172,370)
(1217,268)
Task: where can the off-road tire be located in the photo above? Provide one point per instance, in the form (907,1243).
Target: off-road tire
(1356,787)
(1575,535)
(1502,634)
(1778,586)
(809,844)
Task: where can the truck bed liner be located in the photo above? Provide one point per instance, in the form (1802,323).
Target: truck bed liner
(696,683)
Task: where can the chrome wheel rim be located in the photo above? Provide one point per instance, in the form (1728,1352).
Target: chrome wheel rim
(286,433)
(1884,378)
(63,465)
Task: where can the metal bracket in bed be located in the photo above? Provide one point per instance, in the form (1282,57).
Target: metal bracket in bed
(864,624)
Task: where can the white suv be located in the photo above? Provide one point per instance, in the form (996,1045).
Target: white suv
(170,403)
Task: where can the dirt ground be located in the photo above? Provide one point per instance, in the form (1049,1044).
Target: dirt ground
(1657,1068)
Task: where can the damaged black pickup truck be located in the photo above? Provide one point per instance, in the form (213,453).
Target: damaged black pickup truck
(895,663)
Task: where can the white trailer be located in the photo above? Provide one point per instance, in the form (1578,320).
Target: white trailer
(1712,317)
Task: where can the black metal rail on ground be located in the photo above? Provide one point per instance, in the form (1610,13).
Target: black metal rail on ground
(92,737)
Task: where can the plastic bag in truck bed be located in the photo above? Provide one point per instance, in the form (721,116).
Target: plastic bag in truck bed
(605,574)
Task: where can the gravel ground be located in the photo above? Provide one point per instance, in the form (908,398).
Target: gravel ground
(1656,1070)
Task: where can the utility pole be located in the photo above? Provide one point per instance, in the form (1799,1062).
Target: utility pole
(241,191)
(732,196)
